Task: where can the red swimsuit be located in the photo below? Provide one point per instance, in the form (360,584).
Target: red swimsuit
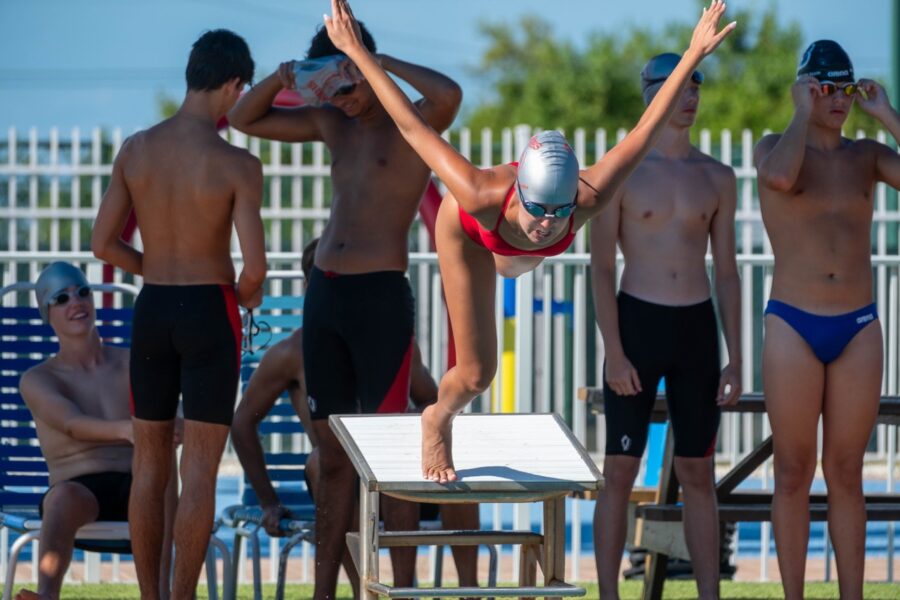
(492,240)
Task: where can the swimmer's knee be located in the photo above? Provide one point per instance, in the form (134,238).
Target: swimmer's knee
(842,472)
(794,475)
(476,378)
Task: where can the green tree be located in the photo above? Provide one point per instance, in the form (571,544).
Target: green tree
(546,81)
(166,105)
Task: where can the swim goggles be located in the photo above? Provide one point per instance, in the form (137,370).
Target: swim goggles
(554,211)
(63,297)
(829,87)
(344,90)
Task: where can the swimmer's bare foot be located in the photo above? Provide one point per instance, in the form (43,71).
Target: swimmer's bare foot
(437,452)
(29,595)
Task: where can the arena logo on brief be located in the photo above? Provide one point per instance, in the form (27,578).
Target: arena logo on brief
(865,319)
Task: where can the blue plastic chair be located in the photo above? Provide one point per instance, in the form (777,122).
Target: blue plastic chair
(26,341)
(277,318)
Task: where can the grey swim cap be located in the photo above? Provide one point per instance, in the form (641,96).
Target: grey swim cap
(54,279)
(658,69)
(548,170)
(826,61)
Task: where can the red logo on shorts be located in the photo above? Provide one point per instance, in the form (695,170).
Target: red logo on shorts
(534,144)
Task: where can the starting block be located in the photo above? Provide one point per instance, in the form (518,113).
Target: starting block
(498,458)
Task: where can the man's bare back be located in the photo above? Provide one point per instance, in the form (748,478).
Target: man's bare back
(183,178)
(667,210)
(101,393)
(821,228)
(378,181)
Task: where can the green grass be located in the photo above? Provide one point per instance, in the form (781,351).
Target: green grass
(629,590)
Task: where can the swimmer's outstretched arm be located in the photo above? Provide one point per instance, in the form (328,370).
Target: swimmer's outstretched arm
(778,158)
(106,237)
(475,189)
(607,174)
(875,102)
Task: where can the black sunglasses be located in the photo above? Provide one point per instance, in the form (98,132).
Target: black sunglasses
(345,89)
(64,297)
(696,77)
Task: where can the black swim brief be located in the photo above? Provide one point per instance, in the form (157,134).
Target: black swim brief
(111,489)
(186,339)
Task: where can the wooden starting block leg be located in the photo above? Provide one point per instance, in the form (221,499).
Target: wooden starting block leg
(368,542)
(553,554)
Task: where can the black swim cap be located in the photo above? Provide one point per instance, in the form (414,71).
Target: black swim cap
(826,61)
(657,70)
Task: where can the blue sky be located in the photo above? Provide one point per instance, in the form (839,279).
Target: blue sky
(85,63)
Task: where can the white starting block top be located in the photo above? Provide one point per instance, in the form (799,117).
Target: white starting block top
(521,456)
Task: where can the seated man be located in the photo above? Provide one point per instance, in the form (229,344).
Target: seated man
(280,369)
(80,403)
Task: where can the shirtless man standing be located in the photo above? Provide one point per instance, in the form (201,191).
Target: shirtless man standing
(79,401)
(662,324)
(358,313)
(822,355)
(187,187)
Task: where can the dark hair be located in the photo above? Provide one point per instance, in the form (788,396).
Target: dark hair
(321,45)
(217,57)
(307,258)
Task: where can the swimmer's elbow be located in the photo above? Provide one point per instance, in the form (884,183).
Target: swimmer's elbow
(100,246)
(774,178)
(254,272)
(780,182)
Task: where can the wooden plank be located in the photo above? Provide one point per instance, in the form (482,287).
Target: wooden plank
(878,511)
(765,497)
(639,495)
(352,538)
(406,539)
(512,453)
(553,549)
(745,468)
(888,408)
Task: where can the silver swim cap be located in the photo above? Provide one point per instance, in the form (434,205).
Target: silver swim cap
(658,69)
(53,280)
(548,170)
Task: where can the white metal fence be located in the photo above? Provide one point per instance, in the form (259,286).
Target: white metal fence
(50,189)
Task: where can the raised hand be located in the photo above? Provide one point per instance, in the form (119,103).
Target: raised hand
(707,36)
(286,75)
(872,98)
(805,91)
(343,30)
